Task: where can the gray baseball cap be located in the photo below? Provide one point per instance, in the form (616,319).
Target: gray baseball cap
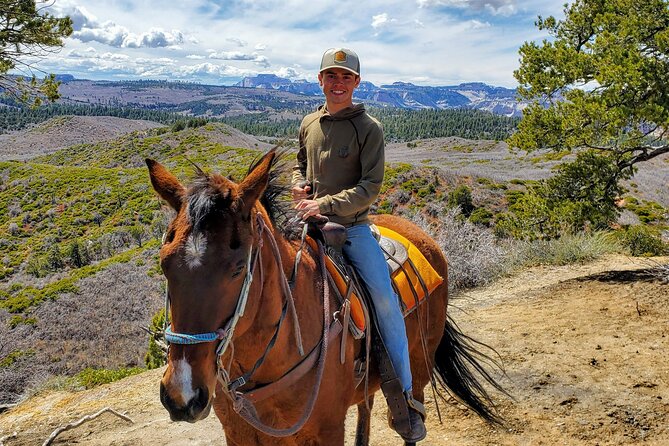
(341,58)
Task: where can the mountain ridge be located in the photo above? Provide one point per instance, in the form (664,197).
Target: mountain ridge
(269,91)
(475,95)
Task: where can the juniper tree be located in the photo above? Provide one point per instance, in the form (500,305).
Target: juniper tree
(27,33)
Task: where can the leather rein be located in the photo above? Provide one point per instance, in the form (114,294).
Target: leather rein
(243,400)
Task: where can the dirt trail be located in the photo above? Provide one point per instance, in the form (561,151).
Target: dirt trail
(584,348)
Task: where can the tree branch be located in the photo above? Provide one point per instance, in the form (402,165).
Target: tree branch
(7,437)
(82,421)
(646,154)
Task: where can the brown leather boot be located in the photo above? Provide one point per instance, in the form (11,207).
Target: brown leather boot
(416,430)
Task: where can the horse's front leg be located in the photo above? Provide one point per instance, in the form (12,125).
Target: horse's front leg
(364,420)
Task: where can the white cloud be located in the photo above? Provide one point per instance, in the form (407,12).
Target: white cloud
(209,69)
(155,38)
(118,36)
(238,55)
(495,7)
(80,16)
(236,41)
(289,73)
(380,20)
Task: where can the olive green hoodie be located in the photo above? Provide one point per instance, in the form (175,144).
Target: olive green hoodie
(342,156)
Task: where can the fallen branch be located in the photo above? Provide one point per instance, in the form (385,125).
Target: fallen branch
(7,437)
(62,429)
(6,407)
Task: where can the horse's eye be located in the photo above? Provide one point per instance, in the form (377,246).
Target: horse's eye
(238,269)
(168,236)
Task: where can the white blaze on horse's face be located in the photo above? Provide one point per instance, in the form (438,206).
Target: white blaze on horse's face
(183,379)
(196,246)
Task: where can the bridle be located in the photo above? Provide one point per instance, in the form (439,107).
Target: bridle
(223,335)
(242,403)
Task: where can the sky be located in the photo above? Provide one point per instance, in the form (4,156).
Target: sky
(425,42)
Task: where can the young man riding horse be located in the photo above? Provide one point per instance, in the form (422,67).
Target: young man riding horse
(339,174)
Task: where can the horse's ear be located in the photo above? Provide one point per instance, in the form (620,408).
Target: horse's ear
(166,184)
(252,187)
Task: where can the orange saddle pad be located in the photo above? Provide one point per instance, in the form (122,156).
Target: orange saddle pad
(406,280)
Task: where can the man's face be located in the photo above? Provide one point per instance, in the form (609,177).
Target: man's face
(338,85)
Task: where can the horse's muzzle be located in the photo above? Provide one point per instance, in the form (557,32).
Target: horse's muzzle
(195,410)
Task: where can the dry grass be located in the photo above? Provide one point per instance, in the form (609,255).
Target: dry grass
(100,326)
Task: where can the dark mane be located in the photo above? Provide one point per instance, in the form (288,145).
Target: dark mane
(277,199)
(209,195)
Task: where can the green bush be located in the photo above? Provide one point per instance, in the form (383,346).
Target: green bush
(90,377)
(570,248)
(155,356)
(642,240)
(178,126)
(481,216)
(461,196)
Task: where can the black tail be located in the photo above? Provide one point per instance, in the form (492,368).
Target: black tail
(458,363)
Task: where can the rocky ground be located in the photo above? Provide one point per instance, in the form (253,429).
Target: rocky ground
(583,346)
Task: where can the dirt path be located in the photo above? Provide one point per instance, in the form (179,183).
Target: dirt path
(584,348)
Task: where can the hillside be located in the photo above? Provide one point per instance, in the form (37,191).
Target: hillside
(65,131)
(80,221)
(583,350)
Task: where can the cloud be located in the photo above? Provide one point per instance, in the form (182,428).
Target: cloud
(238,55)
(237,41)
(80,16)
(380,20)
(118,36)
(494,7)
(155,38)
(209,69)
(289,73)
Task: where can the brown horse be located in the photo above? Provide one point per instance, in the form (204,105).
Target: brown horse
(226,263)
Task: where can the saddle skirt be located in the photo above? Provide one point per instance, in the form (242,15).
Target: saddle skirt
(413,277)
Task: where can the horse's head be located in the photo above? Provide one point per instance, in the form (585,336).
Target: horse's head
(205,258)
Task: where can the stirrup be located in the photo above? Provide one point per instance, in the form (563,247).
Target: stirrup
(410,425)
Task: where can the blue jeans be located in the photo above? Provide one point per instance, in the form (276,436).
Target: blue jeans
(364,253)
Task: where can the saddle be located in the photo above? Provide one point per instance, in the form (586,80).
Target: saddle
(413,278)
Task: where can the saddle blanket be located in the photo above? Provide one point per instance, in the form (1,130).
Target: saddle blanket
(407,275)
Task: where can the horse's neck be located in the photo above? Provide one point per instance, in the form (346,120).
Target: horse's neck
(269,293)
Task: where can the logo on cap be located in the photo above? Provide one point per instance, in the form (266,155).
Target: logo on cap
(340,57)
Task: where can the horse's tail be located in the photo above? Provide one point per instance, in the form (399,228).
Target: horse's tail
(459,367)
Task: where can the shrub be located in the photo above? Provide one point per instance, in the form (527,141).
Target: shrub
(13,229)
(642,240)
(568,249)
(178,126)
(156,355)
(481,216)
(90,377)
(474,255)
(461,196)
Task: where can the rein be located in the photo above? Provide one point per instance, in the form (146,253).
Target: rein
(243,400)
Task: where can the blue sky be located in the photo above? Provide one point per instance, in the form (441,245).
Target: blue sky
(426,42)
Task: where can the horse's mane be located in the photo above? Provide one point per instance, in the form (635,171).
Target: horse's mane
(277,199)
(210,195)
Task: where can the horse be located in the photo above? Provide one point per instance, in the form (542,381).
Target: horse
(241,332)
